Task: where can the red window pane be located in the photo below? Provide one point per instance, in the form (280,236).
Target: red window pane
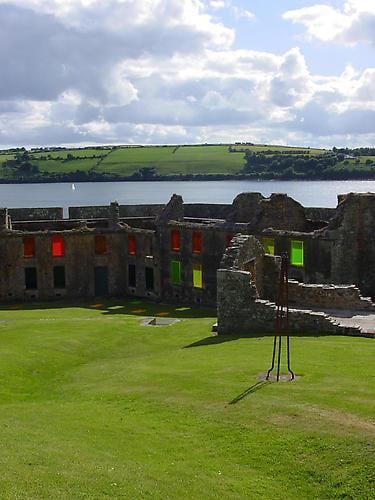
(29,247)
(197,242)
(131,244)
(58,247)
(175,240)
(100,244)
(229,239)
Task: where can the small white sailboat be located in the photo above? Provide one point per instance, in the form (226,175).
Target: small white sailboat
(73,187)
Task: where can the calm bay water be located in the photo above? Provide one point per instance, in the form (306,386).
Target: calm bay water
(309,193)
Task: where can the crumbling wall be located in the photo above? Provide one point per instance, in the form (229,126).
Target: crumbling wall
(317,214)
(244,207)
(24,214)
(328,296)
(98,212)
(173,210)
(353,252)
(279,211)
(240,312)
(246,253)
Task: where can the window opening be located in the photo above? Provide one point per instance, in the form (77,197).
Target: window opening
(197,276)
(197,242)
(175,240)
(269,245)
(31,281)
(296,253)
(132,281)
(29,247)
(149,274)
(100,244)
(175,272)
(131,244)
(58,246)
(59,277)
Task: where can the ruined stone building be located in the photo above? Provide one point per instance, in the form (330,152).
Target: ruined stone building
(173,252)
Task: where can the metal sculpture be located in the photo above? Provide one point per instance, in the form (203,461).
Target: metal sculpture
(281,321)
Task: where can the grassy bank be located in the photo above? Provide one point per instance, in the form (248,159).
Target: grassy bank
(95,405)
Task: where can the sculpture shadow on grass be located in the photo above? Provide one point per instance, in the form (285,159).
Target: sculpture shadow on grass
(220,339)
(250,390)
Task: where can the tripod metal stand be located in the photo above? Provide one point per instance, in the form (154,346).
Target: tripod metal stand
(281,322)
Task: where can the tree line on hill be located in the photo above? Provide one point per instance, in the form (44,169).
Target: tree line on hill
(335,165)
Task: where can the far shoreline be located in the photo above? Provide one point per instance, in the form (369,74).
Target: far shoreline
(177,178)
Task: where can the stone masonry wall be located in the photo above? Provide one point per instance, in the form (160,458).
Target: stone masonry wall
(328,296)
(23,214)
(239,312)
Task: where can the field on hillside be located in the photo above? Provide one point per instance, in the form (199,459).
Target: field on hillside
(167,160)
(146,162)
(171,160)
(95,405)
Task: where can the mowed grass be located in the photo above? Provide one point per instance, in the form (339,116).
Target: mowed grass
(94,405)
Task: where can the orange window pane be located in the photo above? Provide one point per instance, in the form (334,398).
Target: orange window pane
(197,242)
(58,247)
(229,239)
(131,244)
(29,247)
(175,240)
(100,244)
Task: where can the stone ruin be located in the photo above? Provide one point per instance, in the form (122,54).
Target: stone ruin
(186,253)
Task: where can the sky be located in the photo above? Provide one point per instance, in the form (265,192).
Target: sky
(82,72)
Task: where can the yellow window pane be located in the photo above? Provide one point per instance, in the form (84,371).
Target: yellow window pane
(197,276)
(269,245)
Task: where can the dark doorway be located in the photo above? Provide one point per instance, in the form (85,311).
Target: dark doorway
(59,277)
(101,280)
(149,278)
(31,282)
(132,276)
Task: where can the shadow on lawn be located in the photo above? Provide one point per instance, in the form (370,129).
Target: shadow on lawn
(119,305)
(219,339)
(255,387)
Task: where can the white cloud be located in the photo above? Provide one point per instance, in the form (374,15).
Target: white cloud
(354,23)
(244,13)
(218,4)
(83,71)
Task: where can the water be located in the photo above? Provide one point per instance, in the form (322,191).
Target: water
(309,193)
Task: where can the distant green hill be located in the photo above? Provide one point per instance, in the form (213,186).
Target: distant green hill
(181,162)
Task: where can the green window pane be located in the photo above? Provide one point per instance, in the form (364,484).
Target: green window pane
(296,253)
(269,245)
(197,276)
(176,272)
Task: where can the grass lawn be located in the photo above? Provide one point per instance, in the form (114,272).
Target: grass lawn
(94,405)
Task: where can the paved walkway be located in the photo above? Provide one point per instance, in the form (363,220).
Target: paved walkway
(356,319)
(360,319)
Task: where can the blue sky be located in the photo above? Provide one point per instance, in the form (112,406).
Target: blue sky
(79,72)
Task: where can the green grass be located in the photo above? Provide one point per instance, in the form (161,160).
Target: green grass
(93,405)
(59,166)
(63,153)
(172,160)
